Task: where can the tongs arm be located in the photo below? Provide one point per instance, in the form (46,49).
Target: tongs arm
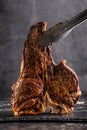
(61,30)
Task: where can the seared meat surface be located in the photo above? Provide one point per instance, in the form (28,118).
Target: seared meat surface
(42,84)
(62,89)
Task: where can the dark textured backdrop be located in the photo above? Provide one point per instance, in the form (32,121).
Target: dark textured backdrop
(16,16)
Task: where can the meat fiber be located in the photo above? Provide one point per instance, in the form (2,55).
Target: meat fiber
(42,84)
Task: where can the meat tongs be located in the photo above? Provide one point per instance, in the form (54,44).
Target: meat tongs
(61,30)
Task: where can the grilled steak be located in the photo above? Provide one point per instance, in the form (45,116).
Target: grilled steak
(42,84)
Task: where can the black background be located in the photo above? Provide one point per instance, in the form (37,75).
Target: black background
(16,16)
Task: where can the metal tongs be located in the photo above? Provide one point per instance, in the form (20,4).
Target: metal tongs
(61,30)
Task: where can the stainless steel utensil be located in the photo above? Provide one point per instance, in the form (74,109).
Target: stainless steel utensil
(61,30)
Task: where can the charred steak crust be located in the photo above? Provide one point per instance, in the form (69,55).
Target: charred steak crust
(42,83)
(63,89)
